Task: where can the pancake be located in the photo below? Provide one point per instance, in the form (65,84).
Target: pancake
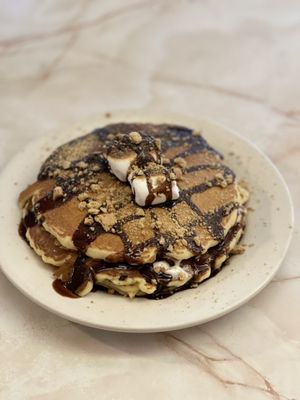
(79,217)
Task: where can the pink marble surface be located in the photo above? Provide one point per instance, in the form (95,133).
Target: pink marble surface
(235,62)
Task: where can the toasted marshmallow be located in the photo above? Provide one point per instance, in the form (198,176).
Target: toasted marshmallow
(180,274)
(147,191)
(120,166)
(137,159)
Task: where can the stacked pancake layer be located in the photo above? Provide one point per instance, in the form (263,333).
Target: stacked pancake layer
(80,218)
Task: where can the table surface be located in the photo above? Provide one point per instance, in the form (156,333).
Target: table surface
(236,62)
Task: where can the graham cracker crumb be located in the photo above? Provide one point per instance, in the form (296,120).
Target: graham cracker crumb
(66,164)
(95,187)
(221,180)
(82,205)
(157,143)
(197,133)
(88,220)
(82,165)
(94,204)
(56,172)
(238,249)
(178,173)
(229,179)
(158,224)
(106,220)
(219,175)
(180,161)
(82,196)
(93,211)
(135,137)
(140,211)
(111,208)
(162,241)
(197,240)
(160,179)
(57,192)
(180,233)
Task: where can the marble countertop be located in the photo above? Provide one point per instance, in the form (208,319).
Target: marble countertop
(236,62)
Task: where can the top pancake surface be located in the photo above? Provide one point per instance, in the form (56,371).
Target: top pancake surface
(85,207)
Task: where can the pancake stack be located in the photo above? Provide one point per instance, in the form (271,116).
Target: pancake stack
(84,221)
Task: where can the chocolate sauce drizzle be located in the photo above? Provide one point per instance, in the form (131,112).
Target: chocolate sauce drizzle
(165,188)
(80,274)
(200,264)
(146,151)
(171,136)
(85,234)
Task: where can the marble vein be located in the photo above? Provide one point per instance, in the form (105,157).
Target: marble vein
(74,26)
(290,114)
(49,69)
(193,355)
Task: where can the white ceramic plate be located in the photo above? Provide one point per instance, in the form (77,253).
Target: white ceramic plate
(268,235)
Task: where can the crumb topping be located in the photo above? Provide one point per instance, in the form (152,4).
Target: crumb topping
(197,133)
(106,220)
(80,172)
(57,192)
(135,137)
(180,162)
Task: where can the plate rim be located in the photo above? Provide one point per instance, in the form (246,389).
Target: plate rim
(119,328)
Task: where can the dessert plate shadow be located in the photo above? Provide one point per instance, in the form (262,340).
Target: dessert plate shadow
(267,237)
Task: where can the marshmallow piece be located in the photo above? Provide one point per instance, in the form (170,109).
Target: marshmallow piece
(140,190)
(145,197)
(180,274)
(137,158)
(175,190)
(120,166)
